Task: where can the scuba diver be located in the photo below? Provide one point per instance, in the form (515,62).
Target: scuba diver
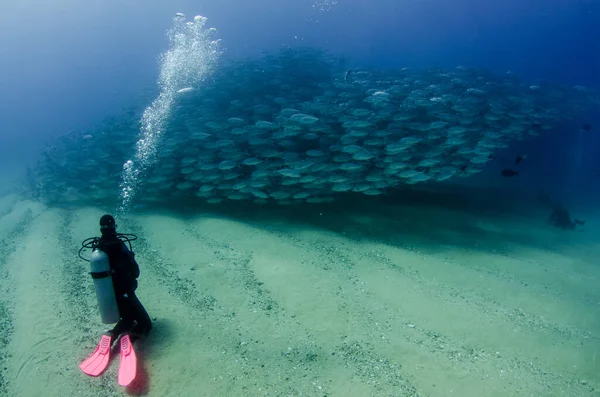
(560,218)
(115,272)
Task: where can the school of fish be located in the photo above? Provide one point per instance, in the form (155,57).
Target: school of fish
(300,126)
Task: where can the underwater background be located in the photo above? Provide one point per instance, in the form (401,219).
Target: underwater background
(95,59)
(332,197)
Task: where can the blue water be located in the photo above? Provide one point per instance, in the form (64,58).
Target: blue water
(380,292)
(68,64)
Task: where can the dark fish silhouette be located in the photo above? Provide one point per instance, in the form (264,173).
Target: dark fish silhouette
(508,173)
(520,158)
(347,75)
(586,127)
(560,218)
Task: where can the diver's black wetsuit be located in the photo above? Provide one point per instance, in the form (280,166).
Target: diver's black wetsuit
(134,318)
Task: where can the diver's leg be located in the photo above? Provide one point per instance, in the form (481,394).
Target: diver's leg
(126,322)
(143,324)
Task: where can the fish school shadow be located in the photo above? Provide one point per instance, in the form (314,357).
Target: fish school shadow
(417,219)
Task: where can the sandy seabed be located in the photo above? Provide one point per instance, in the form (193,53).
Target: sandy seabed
(398,301)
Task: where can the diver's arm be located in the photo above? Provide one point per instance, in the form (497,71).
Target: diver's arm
(134,268)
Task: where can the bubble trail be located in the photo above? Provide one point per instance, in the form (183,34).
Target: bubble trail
(192,55)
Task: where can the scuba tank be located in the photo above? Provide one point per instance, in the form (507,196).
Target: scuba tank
(103,283)
(102,275)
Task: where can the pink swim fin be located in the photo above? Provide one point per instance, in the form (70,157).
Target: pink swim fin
(97,362)
(128,365)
